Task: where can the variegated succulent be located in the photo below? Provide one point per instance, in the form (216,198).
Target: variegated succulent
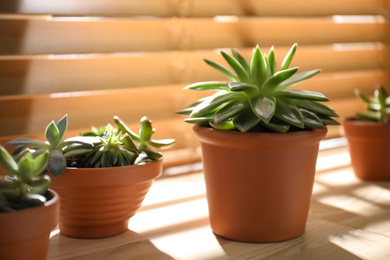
(258,97)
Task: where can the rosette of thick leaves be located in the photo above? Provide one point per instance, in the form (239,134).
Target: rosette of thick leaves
(258,97)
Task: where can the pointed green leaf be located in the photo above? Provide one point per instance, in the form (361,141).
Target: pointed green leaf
(145,129)
(271,61)
(214,102)
(39,163)
(295,79)
(289,113)
(301,94)
(363,97)
(244,63)
(258,67)
(202,121)
(288,58)
(222,69)
(272,82)
(229,110)
(381,94)
(326,120)
(277,125)
(128,143)
(246,120)
(36,144)
(62,125)
(124,129)
(315,106)
(25,168)
(40,185)
(8,162)
(208,85)
(52,134)
(311,120)
(113,156)
(263,107)
(237,67)
(226,125)
(162,143)
(243,86)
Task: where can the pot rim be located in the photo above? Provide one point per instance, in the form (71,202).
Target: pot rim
(109,176)
(354,121)
(253,140)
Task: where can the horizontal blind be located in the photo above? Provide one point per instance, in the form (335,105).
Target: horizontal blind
(94,59)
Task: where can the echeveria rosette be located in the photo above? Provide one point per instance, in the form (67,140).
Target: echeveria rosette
(378,107)
(258,98)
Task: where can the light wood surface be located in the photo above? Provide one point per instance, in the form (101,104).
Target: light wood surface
(348,219)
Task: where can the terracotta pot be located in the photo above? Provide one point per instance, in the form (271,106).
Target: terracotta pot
(259,185)
(369,148)
(25,233)
(99,202)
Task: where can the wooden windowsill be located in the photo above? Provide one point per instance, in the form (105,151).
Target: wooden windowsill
(348,219)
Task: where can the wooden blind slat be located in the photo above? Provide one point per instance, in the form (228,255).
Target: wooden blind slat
(31,113)
(45,36)
(50,74)
(193,7)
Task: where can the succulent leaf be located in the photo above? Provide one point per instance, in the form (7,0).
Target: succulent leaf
(8,162)
(222,69)
(377,107)
(212,85)
(258,67)
(244,63)
(52,134)
(288,58)
(242,74)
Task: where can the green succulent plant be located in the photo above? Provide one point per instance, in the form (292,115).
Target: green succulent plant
(258,98)
(55,144)
(102,147)
(378,107)
(119,147)
(23,188)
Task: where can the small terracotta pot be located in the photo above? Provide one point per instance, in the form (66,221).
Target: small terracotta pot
(369,148)
(259,185)
(24,234)
(99,202)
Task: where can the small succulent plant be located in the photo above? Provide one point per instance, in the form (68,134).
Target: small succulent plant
(258,98)
(23,187)
(102,147)
(54,144)
(378,107)
(119,147)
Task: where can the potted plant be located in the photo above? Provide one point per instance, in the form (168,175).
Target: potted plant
(101,176)
(368,137)
(28,209)
(259,143)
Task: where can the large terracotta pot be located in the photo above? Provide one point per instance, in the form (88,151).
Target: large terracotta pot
(369,148)
(259,185)
(99,202)
(24,234)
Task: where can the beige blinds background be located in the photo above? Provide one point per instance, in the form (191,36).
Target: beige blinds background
(94,59)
